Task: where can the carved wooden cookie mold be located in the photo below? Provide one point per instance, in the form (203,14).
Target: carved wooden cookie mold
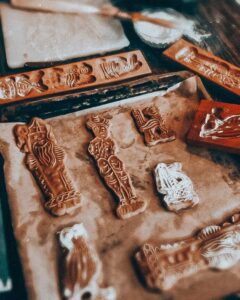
(177,187)
(112,169)
(206,64)
(74,76)
(216,125)
(150,123)
(214,247)
(82,268)
(45,159)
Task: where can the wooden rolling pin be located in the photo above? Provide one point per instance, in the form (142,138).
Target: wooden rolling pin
(78,8)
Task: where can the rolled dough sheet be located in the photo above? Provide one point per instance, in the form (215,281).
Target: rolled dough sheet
(215,177)
(43,37)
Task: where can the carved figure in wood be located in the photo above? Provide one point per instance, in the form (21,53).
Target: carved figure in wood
(150,123)
(118,66)
(214,247)
(210,67)
(76,75)
(111,168)
(82,268)
(176,186)
(21,86)
(216,127)
(45,159)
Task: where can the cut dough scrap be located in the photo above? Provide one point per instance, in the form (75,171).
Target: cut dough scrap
(43,37)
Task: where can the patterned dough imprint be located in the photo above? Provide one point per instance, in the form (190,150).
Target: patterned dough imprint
(45,159)
(111,168)
(150,123)
(83,269)
(214,247)
(177,186)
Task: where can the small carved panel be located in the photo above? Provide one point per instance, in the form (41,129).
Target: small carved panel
(45,159)
(74,76)
(176,187)
(214,247)
(206,64)
(112,169)
(150,123)
(216,125)
(82,267)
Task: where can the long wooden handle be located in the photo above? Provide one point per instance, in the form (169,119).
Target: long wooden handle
(140,17)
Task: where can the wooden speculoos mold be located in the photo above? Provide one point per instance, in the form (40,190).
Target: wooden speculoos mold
(45,159)
(214,247)
(216,125)
(112,169)
(74,76)
(206,64)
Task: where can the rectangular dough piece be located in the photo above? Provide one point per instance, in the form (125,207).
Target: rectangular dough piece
(44,37)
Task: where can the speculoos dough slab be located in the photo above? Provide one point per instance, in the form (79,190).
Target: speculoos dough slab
(116,241)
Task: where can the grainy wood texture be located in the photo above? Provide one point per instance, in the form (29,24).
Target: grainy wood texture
(216,125)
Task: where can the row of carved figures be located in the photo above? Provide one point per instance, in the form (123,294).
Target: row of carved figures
(161,266)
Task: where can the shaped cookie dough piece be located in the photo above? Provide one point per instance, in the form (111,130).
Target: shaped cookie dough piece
(112,169)
(151,124)
(45,159)
(214,247)
(176,187)
(83,269)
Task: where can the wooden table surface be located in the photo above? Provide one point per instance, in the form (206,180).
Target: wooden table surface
(219,17)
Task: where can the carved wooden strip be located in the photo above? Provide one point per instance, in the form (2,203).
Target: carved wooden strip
(216,125)
(176,187)
(45,159)
(112,169)
(206,64)
(74,76)
(83,269)
(214,247)
(150,123)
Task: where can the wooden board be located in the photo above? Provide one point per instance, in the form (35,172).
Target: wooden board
(216,125)
(206,64)
(71,77)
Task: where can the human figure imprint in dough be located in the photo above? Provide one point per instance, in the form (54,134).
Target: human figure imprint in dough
(82,268)
(176,186)
(21,86)
(150,123)
(111,168)
(118,66)
(210,67)
(45,159)
(214,247)
(216,127)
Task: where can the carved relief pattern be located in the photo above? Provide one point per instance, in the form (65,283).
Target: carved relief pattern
(119,66)
(45,159)
(72,76)
(151,124)
(216,127)
(214,247)
(176,186)
(210,67)
(111,168)
(21,86)
(83,269)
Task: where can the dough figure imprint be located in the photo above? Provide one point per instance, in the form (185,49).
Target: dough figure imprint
(176,186)
(150,123)
(214,247)
(112,169)
(45,159)
(82,267)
